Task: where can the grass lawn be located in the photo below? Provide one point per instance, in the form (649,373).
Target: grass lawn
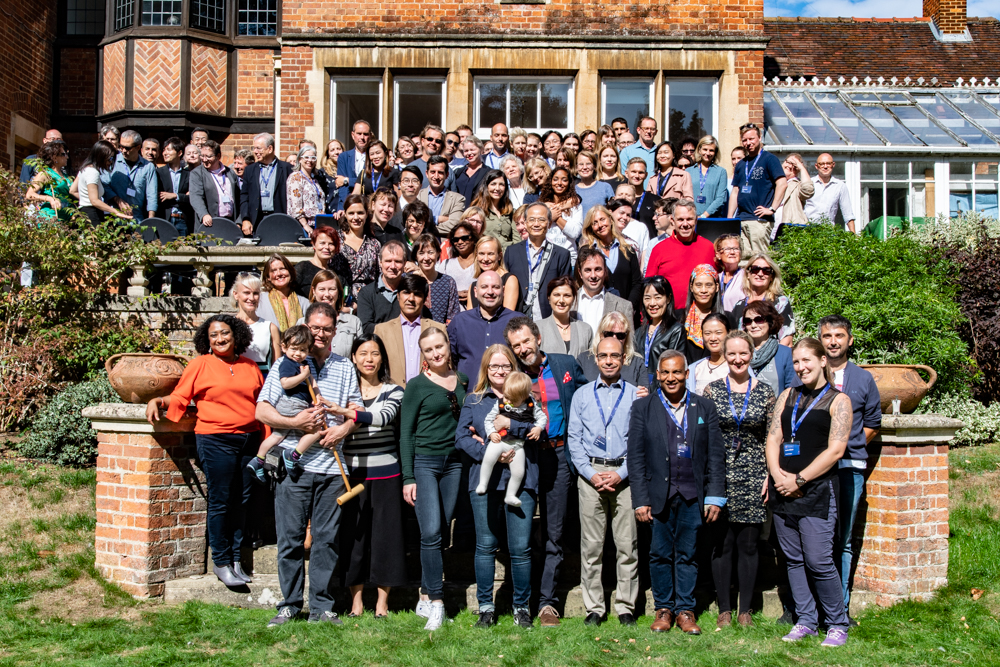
(55,609)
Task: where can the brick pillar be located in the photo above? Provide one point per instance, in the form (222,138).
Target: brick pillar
(948,15)
(150,499)
(905,550)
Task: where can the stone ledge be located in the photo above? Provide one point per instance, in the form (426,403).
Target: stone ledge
(923,429)
(131,418)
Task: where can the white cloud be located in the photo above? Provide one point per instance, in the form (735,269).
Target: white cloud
(867,8)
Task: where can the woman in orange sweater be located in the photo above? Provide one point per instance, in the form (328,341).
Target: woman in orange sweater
(224,387)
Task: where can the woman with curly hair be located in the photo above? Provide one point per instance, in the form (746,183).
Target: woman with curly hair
(559,194)
(224,385)
(49,187)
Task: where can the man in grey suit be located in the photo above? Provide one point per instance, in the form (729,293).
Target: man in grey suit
(594,301)
(214,190)
(446,206)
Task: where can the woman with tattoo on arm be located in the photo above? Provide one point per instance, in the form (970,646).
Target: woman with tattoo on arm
(806,439)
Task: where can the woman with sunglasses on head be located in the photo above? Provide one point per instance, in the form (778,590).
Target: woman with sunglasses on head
(661,330)
(762,282)
(772,361)
(703,300)
(432,467)
(461,265)
(614,324)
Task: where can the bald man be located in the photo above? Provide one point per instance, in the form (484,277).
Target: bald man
(831,195)
(500,138)
(28,168)
(472,331)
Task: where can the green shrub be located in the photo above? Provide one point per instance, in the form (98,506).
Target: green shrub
(982,422)
(900,296)
(60,433)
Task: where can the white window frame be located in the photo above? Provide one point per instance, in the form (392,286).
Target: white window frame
(910,181)
(333,107)
(395,100)
(973,181)
(666,103)
(614,79)
(484,132)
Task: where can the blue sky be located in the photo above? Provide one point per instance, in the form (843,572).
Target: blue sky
(867,8)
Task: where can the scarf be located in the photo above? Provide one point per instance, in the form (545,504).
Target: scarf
(692,323)
(285,320)
(762,355)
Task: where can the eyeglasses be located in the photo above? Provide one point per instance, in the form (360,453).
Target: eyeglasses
(308,159)
(759,319)
(450,142)
(495,368)
(456,409)
(749,126)
(461,239)
(609,355)
(729,249)
(319,330)
(766,270)
(620,335)
(824,164)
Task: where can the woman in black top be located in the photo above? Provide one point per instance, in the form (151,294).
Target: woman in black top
(803,448)
(660,330)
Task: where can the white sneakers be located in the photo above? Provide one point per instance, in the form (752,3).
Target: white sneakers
(423,608)
(435,617)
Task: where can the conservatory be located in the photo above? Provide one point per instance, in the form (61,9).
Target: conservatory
(907,150)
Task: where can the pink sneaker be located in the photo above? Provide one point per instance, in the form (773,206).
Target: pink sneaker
(835,637)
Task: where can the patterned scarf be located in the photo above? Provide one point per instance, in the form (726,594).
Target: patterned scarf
(285,320)
(692,323)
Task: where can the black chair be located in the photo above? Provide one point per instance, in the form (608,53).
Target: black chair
(326,219)
(279,228)
(158,229)
(713,228)
(222,229)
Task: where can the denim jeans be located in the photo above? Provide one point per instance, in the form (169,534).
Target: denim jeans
(223,458)
(491,512)
(673,570)
(852,485)
(438,479)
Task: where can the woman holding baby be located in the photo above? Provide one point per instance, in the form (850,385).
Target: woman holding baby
(490,509)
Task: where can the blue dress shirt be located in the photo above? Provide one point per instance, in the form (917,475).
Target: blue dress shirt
(585,425)
(139,179)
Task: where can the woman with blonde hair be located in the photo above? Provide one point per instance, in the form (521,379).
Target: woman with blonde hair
(762,282)
(614,324)
(489,257)
(328,163)
(266,343)
(709,181)
(518,143)
(536,173)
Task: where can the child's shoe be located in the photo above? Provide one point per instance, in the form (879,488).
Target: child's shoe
(513,501)
(291,458)
(256,466)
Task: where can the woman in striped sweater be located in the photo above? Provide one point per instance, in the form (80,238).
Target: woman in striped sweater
(372,457)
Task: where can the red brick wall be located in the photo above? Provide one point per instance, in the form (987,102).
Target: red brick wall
(750,75)
(255,83)
(556,17)
(209,76)
(77,82)
(296,111)
(157,74)
(114,76)
(27,30)
(233,143)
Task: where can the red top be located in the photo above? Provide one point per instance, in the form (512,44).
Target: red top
(675,261)
(225,395)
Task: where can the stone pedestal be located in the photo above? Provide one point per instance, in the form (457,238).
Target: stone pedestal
(150,499)
(905,549)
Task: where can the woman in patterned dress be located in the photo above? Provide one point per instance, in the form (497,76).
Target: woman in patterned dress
(357,245)
(745,406)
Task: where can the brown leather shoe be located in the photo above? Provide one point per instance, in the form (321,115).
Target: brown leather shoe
(548,617)
(725,620)
(745,619)
(686,622)
(664,621)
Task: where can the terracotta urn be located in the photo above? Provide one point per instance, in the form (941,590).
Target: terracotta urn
(903,382)
(139,378)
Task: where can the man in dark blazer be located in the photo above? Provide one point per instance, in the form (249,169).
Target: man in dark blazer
(547,262)
(264,181)
(351,163)
(175,206)
(556,472)
(677,464)
(645,202)
(214,188)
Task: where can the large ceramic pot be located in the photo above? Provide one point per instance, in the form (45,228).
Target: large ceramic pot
(139,378)
(903,382)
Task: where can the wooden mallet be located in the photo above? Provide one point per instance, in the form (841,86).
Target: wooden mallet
(351,492)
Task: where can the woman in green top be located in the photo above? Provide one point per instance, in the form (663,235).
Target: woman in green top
(49,188)
(432,403)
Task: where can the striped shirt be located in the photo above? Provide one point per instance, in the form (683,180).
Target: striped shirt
(337,382)
(372,452)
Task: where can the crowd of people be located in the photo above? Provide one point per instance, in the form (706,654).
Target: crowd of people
(513,320)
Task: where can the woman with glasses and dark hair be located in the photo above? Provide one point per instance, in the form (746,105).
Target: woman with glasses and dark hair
(772,361)
(660,330)
(616,325)
(432,467)
(88,186)
(462,264)
(762,282)
(49,188)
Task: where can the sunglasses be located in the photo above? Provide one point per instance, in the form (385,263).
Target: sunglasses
(620,335)
(749,126)
(450,142)
(462,239)
(124,148)
(766,270)
(432,141)
(759,319)
(456,409)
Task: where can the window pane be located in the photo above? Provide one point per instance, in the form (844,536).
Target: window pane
(555,105)
(355,100)
(209,15)
(493,104)
(847,122)
(922,126)
(258,18)
(871,170)
(779,129)
(976,111)
(523,105)
(417,104)
(691,113)
(809,118)
(85,17)
(161,12)
(123,14)
(626,99)
(882,121)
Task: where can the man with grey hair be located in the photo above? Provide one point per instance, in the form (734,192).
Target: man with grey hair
(214,189)
(677,464)
(263,190)
(110,134)
(132,180)
(431,144)
(536,262)
(351,163)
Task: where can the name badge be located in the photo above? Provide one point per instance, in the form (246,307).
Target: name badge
(701,199)
(791,448)
(683,451)
(265,193)
(226,199)
(601,443)
(130,192)
(745,189)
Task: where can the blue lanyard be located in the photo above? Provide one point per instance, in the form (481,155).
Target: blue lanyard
(661,182)
(746,402)
(683,426)
(702,179)
(220,179)
(649,341)
(639,205)
(374,182)
(747,168)
(796,423)
(725,285)
(319,190)
(607,422)
(267,181)
(527,251)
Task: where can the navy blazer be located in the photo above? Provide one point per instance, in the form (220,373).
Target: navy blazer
(649,457)
(345,167)
(182,202)
(515,259)
(250,192)
(474,414)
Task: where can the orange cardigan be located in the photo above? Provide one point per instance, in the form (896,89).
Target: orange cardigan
(226,399)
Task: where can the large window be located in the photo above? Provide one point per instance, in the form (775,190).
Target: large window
(161,12)
(85,17)
(974,188)
(535,105)
(209,15)
(257,18)
(352,100)
(894,191)
(691,105)
(630,99)
(124,14)
(418,102)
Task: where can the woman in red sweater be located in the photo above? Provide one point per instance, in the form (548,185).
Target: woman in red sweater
(224,387)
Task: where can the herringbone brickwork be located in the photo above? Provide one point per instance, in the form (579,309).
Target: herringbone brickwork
(114,76)
(209,78)
(255,83)
(157,74)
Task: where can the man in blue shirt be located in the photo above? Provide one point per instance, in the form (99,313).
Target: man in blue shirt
(758,187)
(132,180)
(644,148)
(472,331)
(598,444)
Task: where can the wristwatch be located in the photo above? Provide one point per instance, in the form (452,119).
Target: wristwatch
(800,480)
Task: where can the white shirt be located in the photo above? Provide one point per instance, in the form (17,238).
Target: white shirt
(590,309)
(660,238)
(827,200)
(260,345)
(638,233)
(516,196)
(87,176)
(570,234)
(359,162)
